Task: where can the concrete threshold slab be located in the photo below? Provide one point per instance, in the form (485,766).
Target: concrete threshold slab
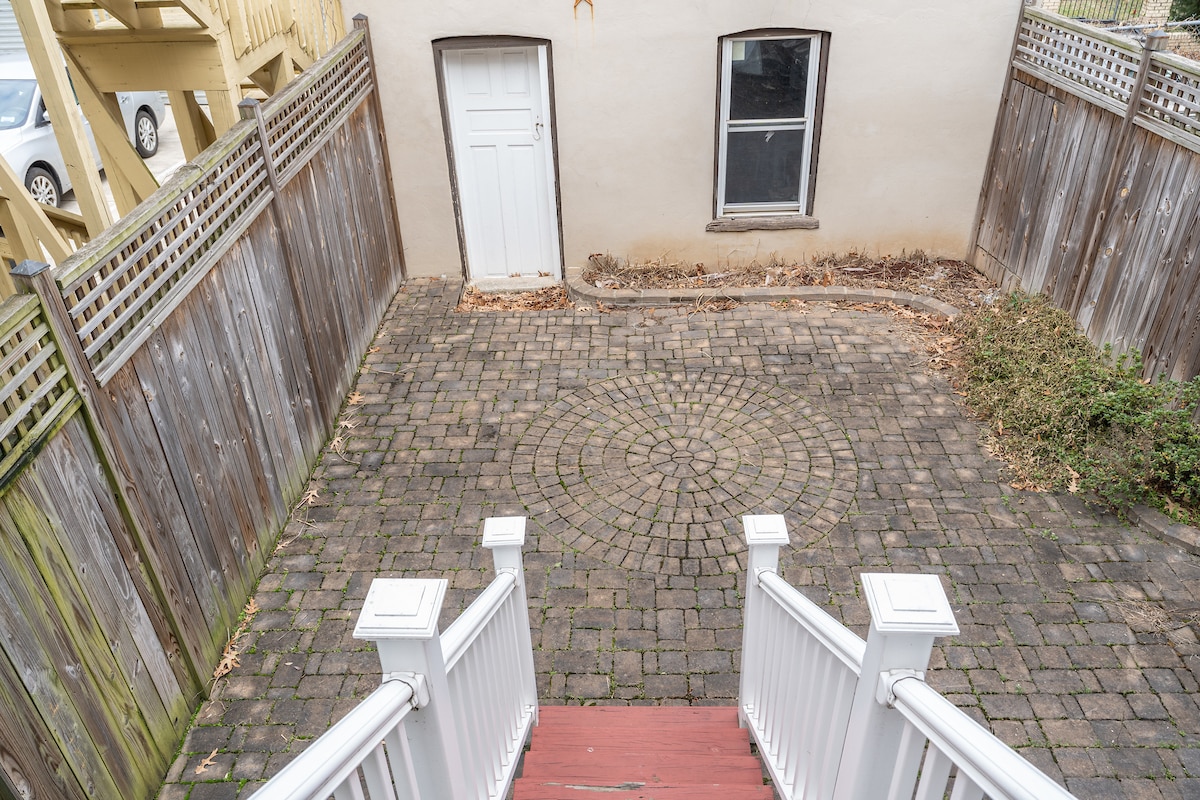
(518,284)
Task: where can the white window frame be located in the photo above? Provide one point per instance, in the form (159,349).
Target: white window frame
(805,123)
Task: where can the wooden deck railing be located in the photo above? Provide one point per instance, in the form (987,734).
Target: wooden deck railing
(837,719)
(167,391)
(254,23)
(469,694)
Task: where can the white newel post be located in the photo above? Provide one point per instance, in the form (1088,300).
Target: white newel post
(907,613)
(765,534)
(505,536)
(401,617)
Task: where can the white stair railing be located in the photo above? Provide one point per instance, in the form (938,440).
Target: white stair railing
(837,719)
(799,670)
(453,713)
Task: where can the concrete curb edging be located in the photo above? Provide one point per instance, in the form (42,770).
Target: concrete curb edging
(1165,528)
(578,291)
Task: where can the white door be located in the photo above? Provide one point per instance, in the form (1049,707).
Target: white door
(498,100)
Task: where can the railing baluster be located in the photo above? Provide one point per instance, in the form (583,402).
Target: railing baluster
(935,771)
(350,789)
(908,763)
(377,776)
(400,764)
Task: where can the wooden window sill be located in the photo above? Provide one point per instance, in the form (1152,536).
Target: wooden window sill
(797,222)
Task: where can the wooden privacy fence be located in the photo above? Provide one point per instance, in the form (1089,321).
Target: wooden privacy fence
(166,393)
(1091,191)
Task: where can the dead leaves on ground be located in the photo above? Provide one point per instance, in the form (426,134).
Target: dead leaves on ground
(203,766)
(233,648)
(550,298)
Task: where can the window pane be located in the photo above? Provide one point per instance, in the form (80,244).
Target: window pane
(770,79)
(764,166)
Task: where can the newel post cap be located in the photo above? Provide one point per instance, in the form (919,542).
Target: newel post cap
(503,532)
(908,603)
(401,609)
(765,529)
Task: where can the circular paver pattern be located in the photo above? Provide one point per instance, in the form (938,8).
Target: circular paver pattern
(654,472)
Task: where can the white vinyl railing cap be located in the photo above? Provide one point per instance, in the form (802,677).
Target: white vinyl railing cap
(909,603)
(401,609)
(765,529)
(503,531)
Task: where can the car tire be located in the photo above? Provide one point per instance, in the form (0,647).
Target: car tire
(44,187)
(145,133)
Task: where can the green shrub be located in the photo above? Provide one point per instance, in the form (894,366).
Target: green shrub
(1065,414)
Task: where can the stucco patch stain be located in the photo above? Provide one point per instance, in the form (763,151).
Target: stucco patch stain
(653,472)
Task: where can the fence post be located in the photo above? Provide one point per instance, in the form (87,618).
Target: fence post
(907,613)
(765,534)
(401,617)
(505,536)
(361,23)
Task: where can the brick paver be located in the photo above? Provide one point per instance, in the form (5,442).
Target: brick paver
(634,440)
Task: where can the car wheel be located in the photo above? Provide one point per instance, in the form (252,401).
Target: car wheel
(145,133)
(42,184)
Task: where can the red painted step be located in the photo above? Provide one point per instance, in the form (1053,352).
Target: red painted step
(640,753)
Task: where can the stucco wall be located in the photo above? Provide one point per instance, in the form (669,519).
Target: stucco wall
(912,94)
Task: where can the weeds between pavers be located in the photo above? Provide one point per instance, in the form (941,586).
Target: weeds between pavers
(1068,415)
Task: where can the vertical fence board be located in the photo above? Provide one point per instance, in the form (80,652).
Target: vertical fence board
(53,674)
(283,348)
(73,474)
(172,514)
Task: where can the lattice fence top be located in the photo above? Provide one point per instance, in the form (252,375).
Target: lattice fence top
(109,298)
(125,283)
(36,390)
(1172,96)
(1065,52)
(298,120)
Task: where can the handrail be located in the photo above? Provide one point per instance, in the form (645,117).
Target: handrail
(992,765)
(466,629)
(831,633)
(337,755)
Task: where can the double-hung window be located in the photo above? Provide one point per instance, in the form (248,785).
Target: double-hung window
(768,109)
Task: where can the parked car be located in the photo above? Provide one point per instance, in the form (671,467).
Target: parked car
(27,139)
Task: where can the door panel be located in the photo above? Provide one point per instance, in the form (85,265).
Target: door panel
(496,100)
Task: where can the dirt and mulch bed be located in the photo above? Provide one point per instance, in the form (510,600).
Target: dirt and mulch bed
(950,281)
(947,280)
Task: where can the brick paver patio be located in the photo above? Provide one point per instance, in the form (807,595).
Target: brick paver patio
(634,441)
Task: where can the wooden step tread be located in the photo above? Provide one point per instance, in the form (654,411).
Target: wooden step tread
(525,789)
(620,749)
(641,738)
(642,767)
(668,715)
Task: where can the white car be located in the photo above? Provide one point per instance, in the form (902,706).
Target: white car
(27,140)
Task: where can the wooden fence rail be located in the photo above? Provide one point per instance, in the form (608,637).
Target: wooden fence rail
(1091,191)
(166,392)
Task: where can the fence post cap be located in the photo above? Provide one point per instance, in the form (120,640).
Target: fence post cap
(909,603)
(503,532)
(1156,40)
(765,529)
(28,268)
(401,608)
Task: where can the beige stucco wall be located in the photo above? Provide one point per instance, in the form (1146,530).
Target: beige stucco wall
(912,94)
